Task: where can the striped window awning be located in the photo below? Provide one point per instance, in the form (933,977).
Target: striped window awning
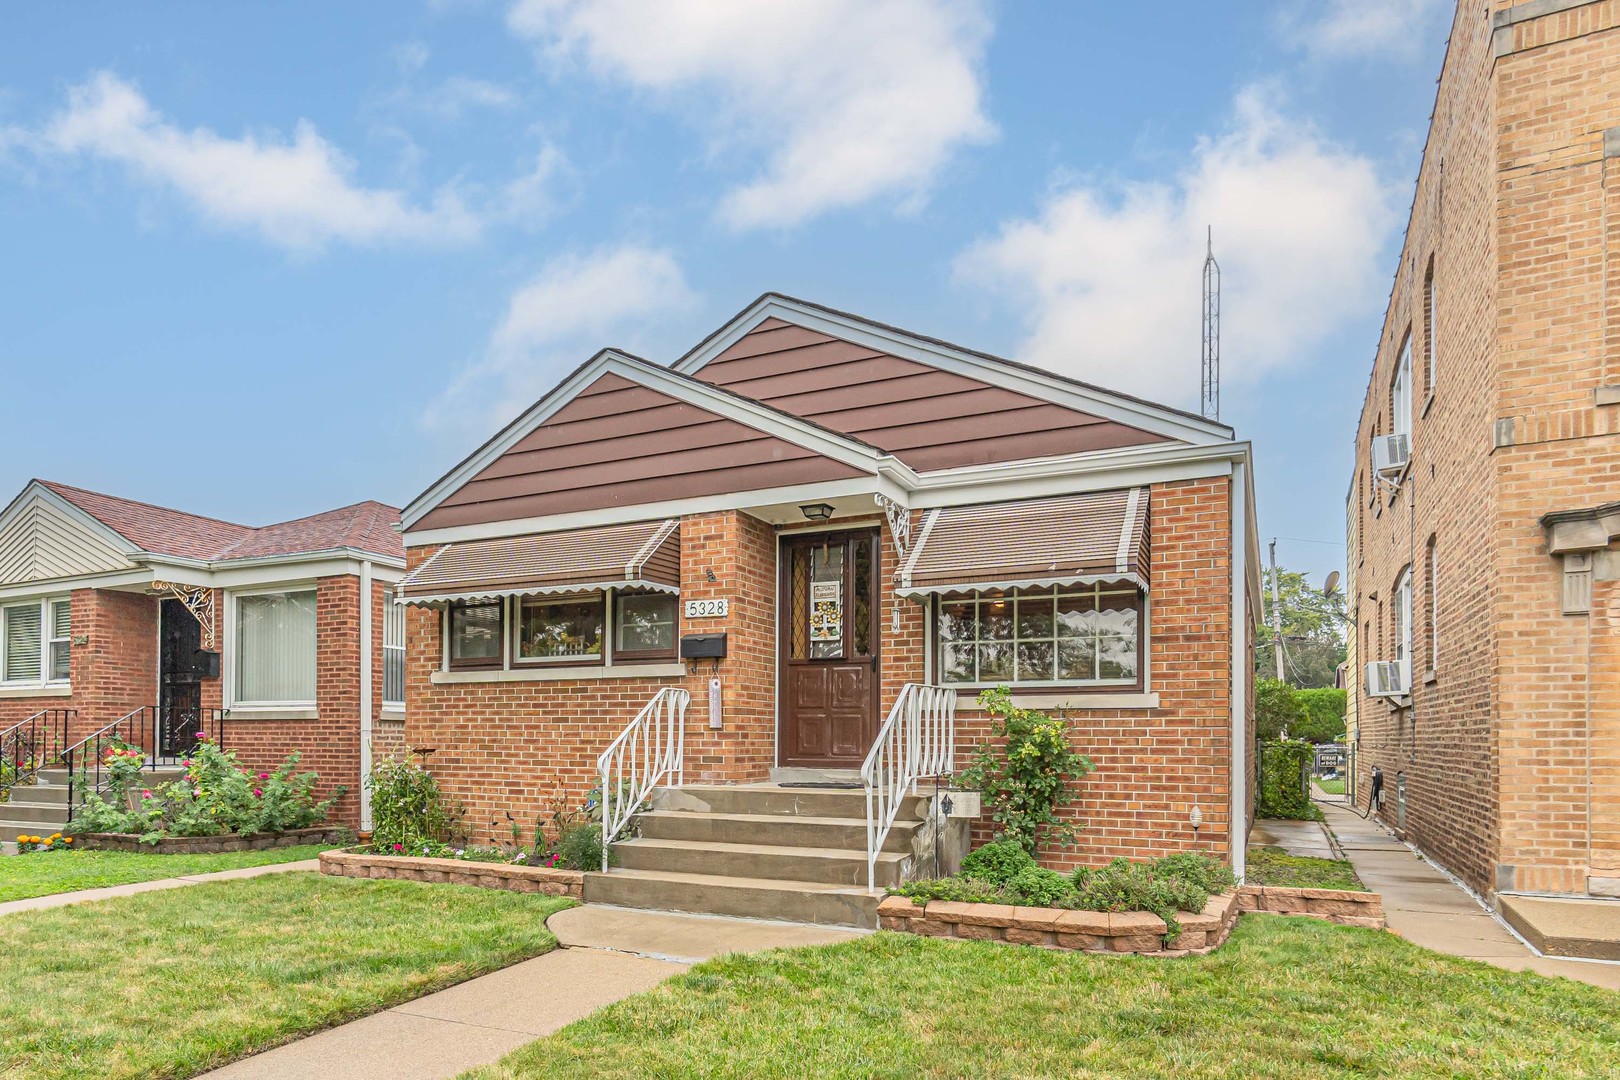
(1068,540)
(644,555)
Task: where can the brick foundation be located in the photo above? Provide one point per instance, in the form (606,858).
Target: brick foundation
(198,845)
(527,879)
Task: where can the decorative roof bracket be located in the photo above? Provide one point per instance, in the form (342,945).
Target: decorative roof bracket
(199,600)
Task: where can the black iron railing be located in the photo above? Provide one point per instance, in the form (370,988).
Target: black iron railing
(166,736)
(30,745)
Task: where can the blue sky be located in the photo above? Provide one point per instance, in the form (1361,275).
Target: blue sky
(262,260)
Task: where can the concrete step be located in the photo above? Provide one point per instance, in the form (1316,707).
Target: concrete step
(772,799)
(771,830)
(41,793)
(757,898)
(53,814)
(828,866)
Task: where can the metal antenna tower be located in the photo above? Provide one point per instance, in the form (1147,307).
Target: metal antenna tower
(1211,385)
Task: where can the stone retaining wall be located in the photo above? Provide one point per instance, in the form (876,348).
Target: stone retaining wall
(206,845)
(1129,931)
(509,876)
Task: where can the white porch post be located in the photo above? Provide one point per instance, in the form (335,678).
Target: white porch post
(365,693)
(1240,673)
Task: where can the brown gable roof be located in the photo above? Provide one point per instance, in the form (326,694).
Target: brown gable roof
(159,530)
(927,417)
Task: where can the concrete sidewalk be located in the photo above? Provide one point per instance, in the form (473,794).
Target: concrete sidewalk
(1304,838)
(1427,908)
(605,954)
(82,896)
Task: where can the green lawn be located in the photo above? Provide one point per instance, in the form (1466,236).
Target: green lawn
(1334,786)
(47,872)
(173,983)
(1292,999)
(1269,865)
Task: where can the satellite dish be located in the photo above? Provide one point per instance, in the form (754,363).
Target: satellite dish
(1332,584)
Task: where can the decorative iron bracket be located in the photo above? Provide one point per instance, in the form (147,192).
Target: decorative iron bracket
(199,600)
(899,524)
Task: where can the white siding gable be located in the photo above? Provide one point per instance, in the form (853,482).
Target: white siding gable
(41,539)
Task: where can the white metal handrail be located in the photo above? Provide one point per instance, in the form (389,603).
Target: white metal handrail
(917,739)
(652,747)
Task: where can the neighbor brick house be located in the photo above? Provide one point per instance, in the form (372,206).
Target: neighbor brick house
(856,509)
(1483,563)
(110,607)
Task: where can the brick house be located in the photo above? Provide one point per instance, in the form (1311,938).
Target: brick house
(1483,568)
(111,609)
(804,516)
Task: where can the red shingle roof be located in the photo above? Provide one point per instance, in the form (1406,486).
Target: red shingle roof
(366,526)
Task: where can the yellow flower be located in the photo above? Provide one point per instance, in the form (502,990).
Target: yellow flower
(22,838)
(67,839)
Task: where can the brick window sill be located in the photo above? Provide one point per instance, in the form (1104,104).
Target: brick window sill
(1081,701)
(561,674)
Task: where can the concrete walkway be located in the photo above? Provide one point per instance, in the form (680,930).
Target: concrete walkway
(82,896)
(606,954)
(1304,838)
(1427,908)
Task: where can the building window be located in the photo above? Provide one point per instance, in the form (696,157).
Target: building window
(643,626)
(1429,326)
(393,649)
(1403,616)
(20,642)
(1401,391)
(560,631)
(275,648)
(1087,636)
(58,647)
(1434,605)
(475,634)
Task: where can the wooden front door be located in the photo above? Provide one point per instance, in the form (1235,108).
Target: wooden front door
(829,649)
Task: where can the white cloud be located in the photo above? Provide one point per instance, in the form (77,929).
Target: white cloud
(849,99)
(299,194)
(1108,281)
(576,305)
(533,196)
(459,93)
(1393,29)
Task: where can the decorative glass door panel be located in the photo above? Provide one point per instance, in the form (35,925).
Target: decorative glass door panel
(829,649)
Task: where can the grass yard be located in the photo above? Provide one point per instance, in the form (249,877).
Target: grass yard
(1335,786)
(1269,865)
(1293,999)
(48,872)
(173,983)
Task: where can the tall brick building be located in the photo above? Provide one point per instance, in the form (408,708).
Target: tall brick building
(803,517)
(1485,561)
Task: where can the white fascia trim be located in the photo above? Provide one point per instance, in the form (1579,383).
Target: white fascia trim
(897,343)
(1075,473)
(675,508)
(644,373)
(95,524)
(52,586)
(237,573)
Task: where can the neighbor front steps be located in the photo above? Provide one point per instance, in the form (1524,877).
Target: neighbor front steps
(758,850)
(41,808)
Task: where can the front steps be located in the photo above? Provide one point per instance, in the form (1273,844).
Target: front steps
(761,851)
(40,808)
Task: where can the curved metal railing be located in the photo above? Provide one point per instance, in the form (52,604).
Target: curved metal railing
(652,747)
(917,739)
(30,744)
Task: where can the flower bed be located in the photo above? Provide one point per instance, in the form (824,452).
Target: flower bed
(513,877)
(1140,932)
(198,845)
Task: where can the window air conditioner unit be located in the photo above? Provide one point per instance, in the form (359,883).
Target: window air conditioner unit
(1389,678)
(1391,454)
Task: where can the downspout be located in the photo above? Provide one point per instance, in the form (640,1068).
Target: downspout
(365,693)
(1240,634)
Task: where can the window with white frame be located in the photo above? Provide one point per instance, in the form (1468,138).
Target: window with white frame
(1403,616)
(35,641)
(275,648)
(393,651)
(615,627)
(1085,635)
(1401,391)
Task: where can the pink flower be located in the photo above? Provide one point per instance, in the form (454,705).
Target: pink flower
(264,776)
(146,794)
(399,847)
(257,794)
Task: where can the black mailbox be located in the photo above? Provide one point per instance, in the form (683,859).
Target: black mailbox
(206,663)
(703,646)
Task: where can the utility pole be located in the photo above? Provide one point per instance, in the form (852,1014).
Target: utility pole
(1276,615)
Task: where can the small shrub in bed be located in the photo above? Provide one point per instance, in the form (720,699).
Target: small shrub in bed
(998,862)
(1036,886)
(1126,886)
(962,890)
(1211,875)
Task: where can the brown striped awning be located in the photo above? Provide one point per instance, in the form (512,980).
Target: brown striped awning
(643,555)
(1072,539)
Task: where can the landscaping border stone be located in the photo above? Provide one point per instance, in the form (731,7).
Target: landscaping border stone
(513,877)
(1139,932)
(207,845)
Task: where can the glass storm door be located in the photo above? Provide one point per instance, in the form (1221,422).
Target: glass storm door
(829,649)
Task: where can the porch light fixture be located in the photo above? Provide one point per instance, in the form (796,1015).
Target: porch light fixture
(817,511)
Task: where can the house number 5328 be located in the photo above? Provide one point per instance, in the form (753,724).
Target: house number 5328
(706,609)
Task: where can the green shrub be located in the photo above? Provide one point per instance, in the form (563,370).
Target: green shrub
(1277,708)
(1026,772)
(407,807)
(1211,875)
(580,847)
(999,861)
(1036,886)
(962,890)
(1283,785)
(1324,715)
(1126,886)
